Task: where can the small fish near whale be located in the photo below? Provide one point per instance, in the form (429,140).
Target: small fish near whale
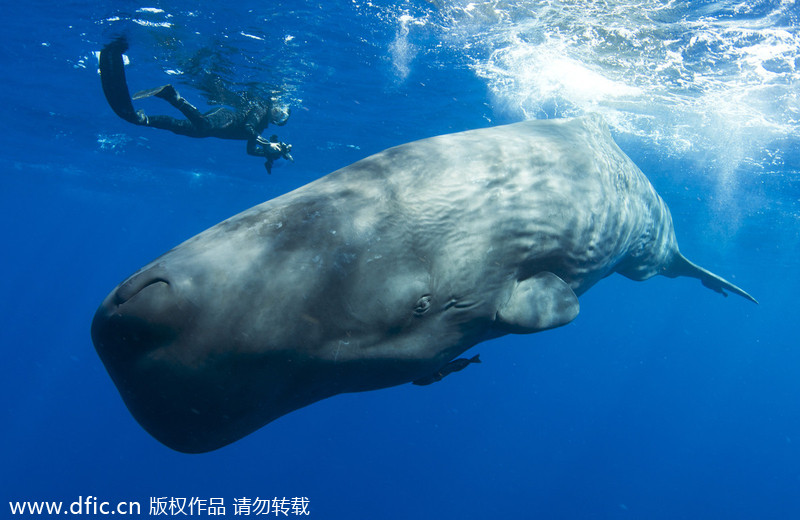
(379,274)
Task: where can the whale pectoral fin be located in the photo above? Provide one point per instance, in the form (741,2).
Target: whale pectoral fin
(541,302)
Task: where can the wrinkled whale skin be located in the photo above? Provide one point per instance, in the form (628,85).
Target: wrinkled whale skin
(379,274)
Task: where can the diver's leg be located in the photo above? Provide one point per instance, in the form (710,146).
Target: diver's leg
(178,126)
(112,77)
(171,96)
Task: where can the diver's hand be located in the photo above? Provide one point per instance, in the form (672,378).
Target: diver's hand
(286,150)
(276,150)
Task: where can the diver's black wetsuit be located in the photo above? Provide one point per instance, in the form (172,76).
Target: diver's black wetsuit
(224,123)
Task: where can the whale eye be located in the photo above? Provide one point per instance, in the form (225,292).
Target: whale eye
(422,305)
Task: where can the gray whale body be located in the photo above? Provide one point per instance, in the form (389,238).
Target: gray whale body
(379,274)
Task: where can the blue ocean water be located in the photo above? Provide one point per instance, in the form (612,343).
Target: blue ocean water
(661,401)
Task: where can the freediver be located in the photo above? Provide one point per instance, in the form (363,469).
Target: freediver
(245,124)
(453,366)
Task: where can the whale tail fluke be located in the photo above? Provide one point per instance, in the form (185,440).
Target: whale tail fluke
(680,266)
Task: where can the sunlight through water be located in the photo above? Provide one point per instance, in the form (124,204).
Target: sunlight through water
(719,78)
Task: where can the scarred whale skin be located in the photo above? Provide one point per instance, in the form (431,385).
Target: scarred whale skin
(379,274)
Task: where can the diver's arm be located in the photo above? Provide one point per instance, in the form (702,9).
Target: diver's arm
(257,146)
(256,120)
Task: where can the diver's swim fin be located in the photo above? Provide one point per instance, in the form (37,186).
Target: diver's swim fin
(166,92)
(149,92)
(112,77)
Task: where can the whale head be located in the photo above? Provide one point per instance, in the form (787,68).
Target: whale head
(271,311)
